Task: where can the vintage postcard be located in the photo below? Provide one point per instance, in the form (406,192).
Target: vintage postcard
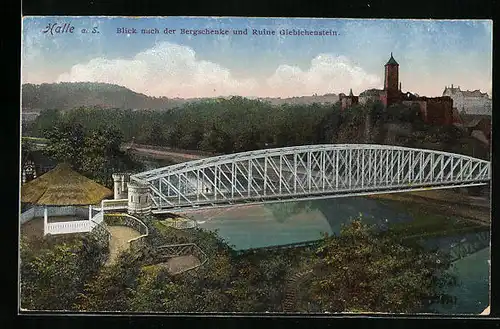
(255,165)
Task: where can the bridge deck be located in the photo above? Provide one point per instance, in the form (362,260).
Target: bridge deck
(254,198)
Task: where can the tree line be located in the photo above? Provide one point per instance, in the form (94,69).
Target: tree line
(240,124)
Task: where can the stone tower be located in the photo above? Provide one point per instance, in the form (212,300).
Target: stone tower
(139,200)
(391,83)
(120,185)
(391,75)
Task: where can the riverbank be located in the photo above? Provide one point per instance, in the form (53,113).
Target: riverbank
(454,204)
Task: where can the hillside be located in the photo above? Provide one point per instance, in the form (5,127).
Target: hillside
(66,96)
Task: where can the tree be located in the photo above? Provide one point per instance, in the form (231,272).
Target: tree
(54,270)
(95,153)
(376,110)
(27,146)
(152,133)
(46,119)
(112,288)
(217,140)
(102,155)
(66,142)
(363,270)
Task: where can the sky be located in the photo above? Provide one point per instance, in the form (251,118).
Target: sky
(431,54)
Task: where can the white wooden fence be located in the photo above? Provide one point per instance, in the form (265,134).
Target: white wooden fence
(37,211)
(78,226)
(74,226)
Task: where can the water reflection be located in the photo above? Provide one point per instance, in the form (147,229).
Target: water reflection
(338,211)
(290,222)
(283,211)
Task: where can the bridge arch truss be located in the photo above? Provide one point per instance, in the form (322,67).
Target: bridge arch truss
(308,172)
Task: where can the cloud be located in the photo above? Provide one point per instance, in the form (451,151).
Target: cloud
(166,69)
(173,70)
(327,74)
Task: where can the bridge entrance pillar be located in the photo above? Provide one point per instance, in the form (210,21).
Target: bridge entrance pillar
(120,185)
(139,200)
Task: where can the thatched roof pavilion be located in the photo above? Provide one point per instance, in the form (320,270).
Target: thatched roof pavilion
(62,186)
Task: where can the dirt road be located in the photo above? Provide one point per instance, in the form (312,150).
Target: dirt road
(160,154)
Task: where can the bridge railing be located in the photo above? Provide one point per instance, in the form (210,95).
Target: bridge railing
(294,150)
(194,200)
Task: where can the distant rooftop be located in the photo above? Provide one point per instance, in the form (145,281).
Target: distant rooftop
(465,93)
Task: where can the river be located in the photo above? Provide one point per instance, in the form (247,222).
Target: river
(282,223)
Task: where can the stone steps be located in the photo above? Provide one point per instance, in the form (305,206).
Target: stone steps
(292,283)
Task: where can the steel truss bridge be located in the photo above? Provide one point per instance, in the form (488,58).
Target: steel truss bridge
(308,172)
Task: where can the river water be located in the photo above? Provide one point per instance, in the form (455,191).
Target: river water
(282,223)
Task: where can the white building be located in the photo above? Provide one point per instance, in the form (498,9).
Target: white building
(472,102)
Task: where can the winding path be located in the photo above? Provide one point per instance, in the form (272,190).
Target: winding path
(120,235)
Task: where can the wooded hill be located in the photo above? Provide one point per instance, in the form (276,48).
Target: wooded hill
(65,96)
(69,95)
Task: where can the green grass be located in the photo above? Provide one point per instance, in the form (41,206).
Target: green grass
(166,230)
